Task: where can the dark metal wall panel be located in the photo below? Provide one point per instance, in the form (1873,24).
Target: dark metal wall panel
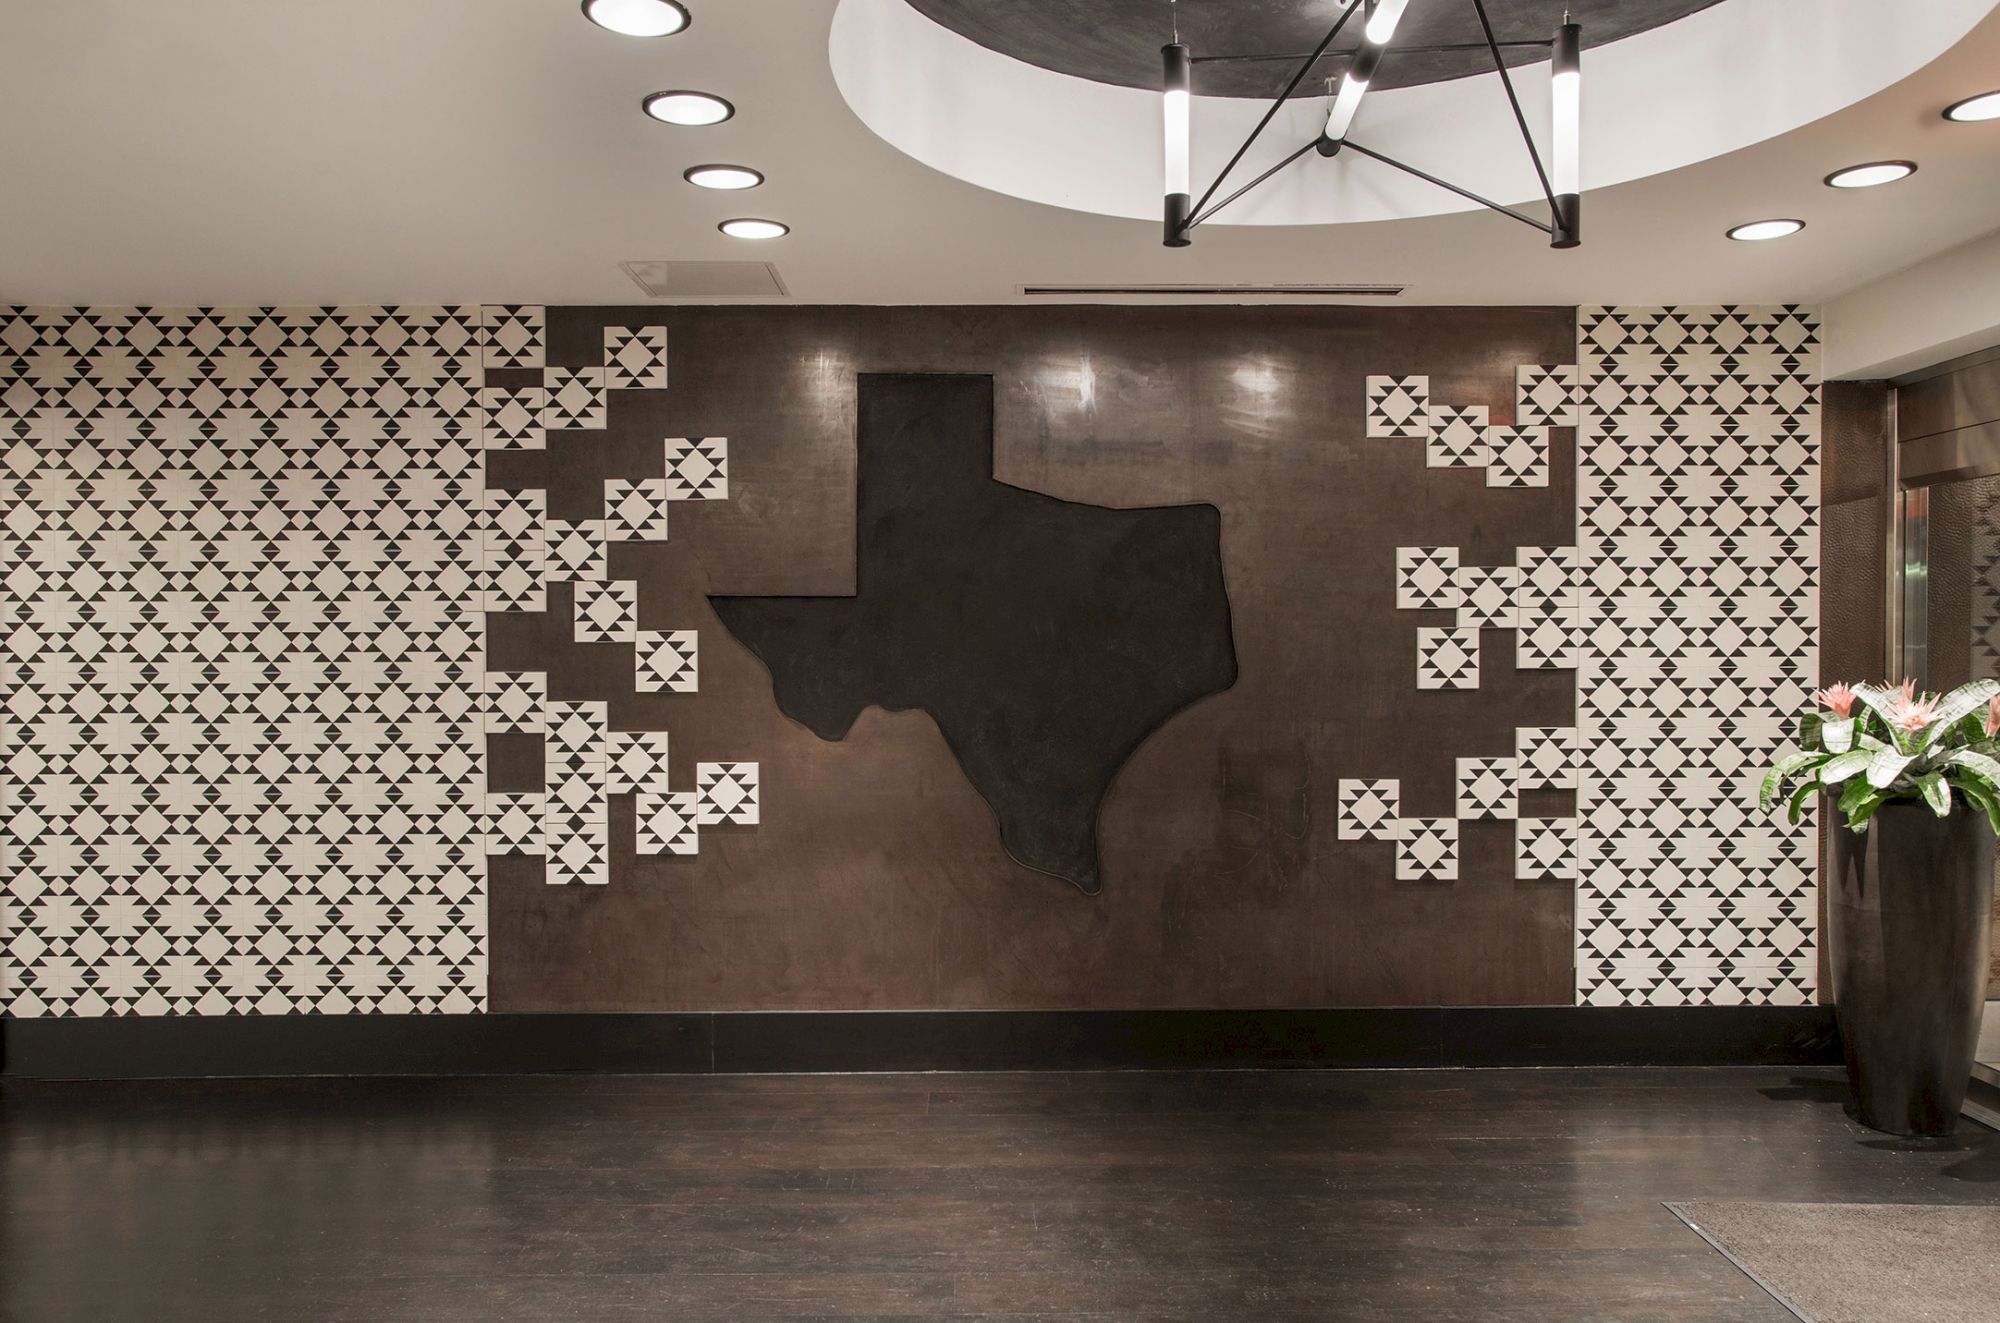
(877,879)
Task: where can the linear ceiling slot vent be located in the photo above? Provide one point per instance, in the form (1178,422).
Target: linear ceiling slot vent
(714,280)
(1225,291)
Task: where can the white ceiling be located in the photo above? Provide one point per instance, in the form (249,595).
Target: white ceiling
(373,151)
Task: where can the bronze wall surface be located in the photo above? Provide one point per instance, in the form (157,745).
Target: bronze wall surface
(876,878)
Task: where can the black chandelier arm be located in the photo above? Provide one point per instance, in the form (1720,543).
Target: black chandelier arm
(1466,193)
(1512,100)
(1201,215)
(1297,78)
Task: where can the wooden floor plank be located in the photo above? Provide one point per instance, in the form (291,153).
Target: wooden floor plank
(1435,1195)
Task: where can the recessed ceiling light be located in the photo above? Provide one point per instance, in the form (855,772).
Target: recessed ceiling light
(1974,108)
(1766,229)
(747,227)
(1871,174)
(722,176)
(690,108)
(637,18)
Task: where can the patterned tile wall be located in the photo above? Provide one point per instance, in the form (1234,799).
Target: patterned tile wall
(248,556)
(242,760)
(1689,610)
(1535,597)
(567,823)
(1698,495)
(248,560)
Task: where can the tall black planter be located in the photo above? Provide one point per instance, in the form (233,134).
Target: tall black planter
(1909,920)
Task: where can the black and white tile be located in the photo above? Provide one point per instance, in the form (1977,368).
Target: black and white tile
(513,824)
(726,794)
(635,509)
(515,702)
(1487,596)
(1427,578)
(636,761)
(1488,788)
(512,336)
(1448,658)
(1369,809)
(1399,407)
(513,550)
(575,398)
(698,468)
(1548,631)
(1545,849)
(575,551)
(1545,395)
(512,417)
(607,611)
(1545,757)
(1698,486)
(244,764)
(669,822)
(1517,457)
(667,661)
(1457,437)
(1426,849)
(635,358)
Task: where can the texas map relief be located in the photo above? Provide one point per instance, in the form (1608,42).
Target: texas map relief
(1046,638)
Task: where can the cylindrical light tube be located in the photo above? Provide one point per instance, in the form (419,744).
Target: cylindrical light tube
(1353,85)
(1174,109)
(1382,23)
(1565,165)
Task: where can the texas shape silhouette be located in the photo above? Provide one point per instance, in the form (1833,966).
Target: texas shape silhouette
(1046,638)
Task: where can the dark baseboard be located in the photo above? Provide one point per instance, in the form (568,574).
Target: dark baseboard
(776,1042)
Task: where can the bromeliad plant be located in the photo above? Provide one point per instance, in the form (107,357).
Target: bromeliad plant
(1872,746)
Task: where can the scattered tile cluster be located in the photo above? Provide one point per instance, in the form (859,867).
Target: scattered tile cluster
(1463,437)
(584,760)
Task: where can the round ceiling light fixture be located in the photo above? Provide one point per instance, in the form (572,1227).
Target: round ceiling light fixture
(722,176)
(1756,231)
(637,18)
(1871,174)
(1973,109)
(750,227)
(690,109)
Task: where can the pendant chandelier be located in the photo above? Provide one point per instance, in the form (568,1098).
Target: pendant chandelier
(1379,20)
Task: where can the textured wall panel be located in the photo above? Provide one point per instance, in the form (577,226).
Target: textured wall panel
(1698,492)
(243,749)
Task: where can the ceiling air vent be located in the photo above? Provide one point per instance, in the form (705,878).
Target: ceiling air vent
(1224,291)
(707,280)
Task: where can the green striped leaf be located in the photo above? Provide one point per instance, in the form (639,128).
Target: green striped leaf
(1885,765)
(1960,702)
(1837,769)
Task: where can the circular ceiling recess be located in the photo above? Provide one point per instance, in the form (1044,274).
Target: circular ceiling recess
(1118,41)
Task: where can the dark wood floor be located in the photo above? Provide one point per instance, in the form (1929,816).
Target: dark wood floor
(1489,1195)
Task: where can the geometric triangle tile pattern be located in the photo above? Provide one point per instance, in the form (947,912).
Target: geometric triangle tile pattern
(698,468)
(1545,395)
(1518,457)
(1457,437)
(252,540)
(249,560)
(249,555)
(1427,577)
(1687,611)
(1398,407)
(1698,494)
(727,794)
(635,357)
